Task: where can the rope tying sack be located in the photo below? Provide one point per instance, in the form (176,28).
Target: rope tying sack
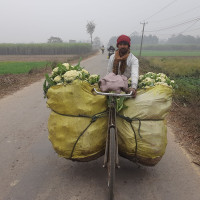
(93,119)
(130,120)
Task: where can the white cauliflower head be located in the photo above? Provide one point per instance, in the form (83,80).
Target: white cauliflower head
(55,70)
(57,79)
(66,65)
(85,71)
(141,77)
(71,75)
(94,76)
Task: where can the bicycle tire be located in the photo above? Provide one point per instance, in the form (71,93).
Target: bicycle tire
(111,164)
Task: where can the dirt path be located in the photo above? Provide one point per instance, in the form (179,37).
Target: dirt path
(30,169)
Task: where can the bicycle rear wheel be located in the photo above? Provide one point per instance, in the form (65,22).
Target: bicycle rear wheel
(111,163)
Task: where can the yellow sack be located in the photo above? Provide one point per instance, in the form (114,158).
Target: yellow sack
(71,132)
(149,108)
(151,103)
(75,98)
(64,132)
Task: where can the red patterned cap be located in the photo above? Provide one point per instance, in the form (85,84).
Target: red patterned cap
(124,38)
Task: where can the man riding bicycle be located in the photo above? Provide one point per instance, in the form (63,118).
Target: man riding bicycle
(123,62)
(102,49)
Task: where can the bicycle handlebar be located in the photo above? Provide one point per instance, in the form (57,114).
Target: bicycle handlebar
(113,94)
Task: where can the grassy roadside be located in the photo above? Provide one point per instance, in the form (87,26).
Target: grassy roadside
(186,106)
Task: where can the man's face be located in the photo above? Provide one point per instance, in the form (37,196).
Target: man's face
(123,47)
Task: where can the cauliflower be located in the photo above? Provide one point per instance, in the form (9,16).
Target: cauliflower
(162,75)
(149,80)
(141,77)
(158,79)
(55,70)
(66,65)
(85,71)
(94,76)
(149,73)
(93,79)
(57,79)
(71,75)
(163,79)
(161,83)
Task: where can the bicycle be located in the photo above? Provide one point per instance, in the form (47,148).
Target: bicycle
(111,157)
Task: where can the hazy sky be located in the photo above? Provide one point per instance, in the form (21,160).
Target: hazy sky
(25,21)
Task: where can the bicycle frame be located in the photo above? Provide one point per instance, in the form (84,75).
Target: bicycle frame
(112,124)
(111,157)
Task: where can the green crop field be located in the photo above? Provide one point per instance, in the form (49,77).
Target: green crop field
(151,53)
(19,67)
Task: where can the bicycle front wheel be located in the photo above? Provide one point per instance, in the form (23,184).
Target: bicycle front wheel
(111,163)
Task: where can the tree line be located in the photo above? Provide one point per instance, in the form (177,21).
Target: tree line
(183,39)
(154,40)
(45,49)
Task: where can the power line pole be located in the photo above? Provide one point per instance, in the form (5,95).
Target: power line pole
(144,23)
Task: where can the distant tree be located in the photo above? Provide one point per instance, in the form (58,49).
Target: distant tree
(112,41)
(90,29)
(183,39)
(97,42)
(54,40)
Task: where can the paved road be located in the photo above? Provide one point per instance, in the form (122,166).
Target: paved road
(31,170)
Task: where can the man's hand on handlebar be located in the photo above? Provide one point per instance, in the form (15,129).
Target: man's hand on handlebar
(133,90)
